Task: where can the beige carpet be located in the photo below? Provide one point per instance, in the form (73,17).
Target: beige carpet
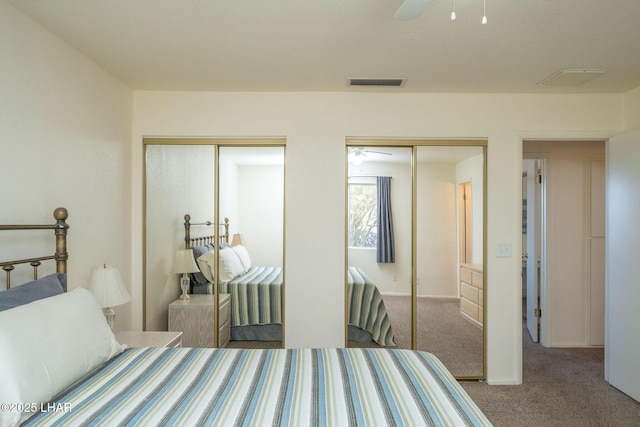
(561,387)
(441,330)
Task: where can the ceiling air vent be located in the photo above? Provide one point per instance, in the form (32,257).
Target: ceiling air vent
(376,82)
(571,77)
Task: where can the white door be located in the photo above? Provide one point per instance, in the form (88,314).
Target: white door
(622,348)
(532,254)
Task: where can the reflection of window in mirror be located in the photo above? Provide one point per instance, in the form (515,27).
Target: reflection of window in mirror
(362,215)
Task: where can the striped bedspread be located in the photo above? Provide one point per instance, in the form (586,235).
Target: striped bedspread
(256,296)
(229,387)
(366,307)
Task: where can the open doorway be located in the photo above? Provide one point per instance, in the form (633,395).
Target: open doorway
(566,272)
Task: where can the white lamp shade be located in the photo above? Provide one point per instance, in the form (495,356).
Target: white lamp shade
(106,285)
(238,239)
(184,262)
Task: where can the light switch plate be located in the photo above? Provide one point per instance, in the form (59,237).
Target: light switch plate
(503,250)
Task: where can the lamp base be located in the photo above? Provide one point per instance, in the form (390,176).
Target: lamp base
(110,314)
(184,285)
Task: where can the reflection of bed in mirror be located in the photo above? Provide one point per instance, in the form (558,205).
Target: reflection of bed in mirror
(256,292)
(368,318)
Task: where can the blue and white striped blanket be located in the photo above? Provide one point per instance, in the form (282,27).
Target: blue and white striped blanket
(229,387)
(256,299)
(366,307)
(256,296)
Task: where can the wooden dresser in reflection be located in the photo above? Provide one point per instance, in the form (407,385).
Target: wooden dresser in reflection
(196,319)
(472,293)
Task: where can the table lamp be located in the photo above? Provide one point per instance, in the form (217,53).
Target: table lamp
(106,285)
(184,264)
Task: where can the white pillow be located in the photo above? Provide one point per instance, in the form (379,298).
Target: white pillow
(47,345)
(230,265)
(243,254)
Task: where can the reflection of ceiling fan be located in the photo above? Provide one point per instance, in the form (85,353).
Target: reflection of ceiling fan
(411,9)
(359,153)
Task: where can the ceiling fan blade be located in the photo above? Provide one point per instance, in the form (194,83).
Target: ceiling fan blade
(377,152)
(411,9)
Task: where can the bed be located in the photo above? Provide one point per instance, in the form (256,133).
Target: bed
(256,292)
(60,364)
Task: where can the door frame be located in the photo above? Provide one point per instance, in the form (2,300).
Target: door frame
(540,249)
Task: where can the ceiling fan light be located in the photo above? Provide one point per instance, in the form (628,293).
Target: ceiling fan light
(484,12)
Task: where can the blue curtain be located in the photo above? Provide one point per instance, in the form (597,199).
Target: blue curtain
(385,252)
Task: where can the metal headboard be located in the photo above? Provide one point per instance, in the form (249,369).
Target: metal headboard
(60,256)
(189,242)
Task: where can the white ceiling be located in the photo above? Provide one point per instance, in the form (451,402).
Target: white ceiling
(316,45)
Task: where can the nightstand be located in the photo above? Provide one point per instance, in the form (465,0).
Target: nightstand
(196,318)
(150,339)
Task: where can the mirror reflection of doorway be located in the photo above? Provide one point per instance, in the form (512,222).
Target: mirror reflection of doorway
(433,291)
(465,216)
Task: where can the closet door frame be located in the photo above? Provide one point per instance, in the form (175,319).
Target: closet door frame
(216,143)
(414,144)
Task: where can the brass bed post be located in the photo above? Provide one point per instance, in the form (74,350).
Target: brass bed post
(61,255)
(187,231)
(226,230)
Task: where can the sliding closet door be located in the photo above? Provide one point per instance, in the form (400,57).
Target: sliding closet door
(378,300)
(430,293)
(179,179)
(449,242)
(252,198)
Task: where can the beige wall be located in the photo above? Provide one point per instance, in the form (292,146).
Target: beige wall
(65,131)
(316,126)
(632,110)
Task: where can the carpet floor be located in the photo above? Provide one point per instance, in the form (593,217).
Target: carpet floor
(441,330)
(561,387)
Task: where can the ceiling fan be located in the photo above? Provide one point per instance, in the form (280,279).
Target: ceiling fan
(411,9)
(359,153)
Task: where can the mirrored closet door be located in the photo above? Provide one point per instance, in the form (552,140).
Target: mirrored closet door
(179,179)
(379,280)
(222,202)
(252,193)
(430,294)
(449,242)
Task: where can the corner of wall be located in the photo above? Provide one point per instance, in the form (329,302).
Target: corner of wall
(632,110)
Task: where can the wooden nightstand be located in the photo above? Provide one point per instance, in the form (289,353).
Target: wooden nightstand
(150,339)
(196,318)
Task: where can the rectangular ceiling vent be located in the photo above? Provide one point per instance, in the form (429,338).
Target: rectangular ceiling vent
(570,77)
(376,82)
